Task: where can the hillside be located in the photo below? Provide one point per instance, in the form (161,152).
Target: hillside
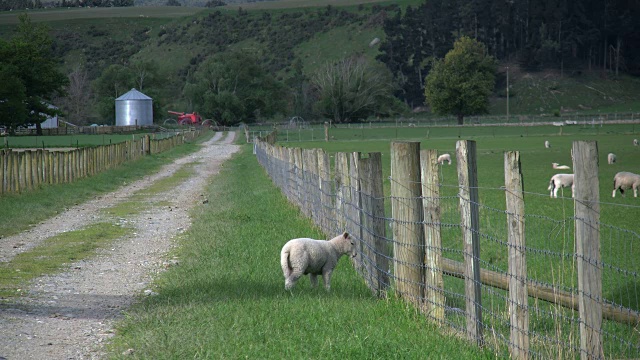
(176,40)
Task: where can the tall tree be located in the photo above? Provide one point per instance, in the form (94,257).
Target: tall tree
(28,54)
(232,88)
(461,83)
(78,100)
(113,82)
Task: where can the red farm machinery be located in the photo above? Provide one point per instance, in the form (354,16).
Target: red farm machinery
(187,119)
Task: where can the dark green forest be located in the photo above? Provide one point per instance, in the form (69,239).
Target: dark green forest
(171,59)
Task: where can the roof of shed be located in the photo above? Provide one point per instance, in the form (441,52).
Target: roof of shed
(134,94)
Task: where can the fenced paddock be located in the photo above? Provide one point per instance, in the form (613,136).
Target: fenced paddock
(26,170)
(556,284)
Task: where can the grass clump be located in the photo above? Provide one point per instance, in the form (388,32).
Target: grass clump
(54,253)
(227,297)
(138,203)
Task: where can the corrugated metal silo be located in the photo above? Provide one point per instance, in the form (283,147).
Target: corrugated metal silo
(134,108)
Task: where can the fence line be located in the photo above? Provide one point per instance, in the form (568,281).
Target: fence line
(24,170)
(523,290)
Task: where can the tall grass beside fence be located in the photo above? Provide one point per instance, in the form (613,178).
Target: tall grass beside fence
(569,297)
(226,298)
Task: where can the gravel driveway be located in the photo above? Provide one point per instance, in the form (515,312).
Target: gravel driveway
(71,314)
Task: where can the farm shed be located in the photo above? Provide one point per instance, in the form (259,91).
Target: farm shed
(134,108)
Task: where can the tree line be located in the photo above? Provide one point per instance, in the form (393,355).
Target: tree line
(571,36)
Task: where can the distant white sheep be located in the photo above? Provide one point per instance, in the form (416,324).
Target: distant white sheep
(560,167)
(626,180)
(547,144)
(611,158)
(560,181)
(314,257)
(444,157)
(635,142)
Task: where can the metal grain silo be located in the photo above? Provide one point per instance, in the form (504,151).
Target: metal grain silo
(134,108)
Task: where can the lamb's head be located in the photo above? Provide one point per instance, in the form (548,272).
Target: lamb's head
(345,244)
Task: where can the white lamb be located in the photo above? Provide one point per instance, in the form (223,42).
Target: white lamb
(625,180)
(314,257)
(560,181)
(547,144)
(560,167)
(444,157)
(611,158)
(635,142)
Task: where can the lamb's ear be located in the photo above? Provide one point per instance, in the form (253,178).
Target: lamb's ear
(346,235)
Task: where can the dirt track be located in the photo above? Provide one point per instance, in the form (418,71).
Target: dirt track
(71,314)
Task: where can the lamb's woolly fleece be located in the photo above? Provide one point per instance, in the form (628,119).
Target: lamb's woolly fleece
(626,180)
(560,181)
(314,257)
(444,157)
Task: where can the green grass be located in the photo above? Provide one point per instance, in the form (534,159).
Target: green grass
(54,253)
(19,211)
(226,299)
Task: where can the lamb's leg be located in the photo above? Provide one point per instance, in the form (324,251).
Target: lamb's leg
(555,192)
(326,277)
(635,190)
(613,194)
(314,280)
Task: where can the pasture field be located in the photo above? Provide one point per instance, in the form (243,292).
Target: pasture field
(549,223)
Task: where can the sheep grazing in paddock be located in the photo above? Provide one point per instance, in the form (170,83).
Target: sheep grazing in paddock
(626,180)
(560,167)
(444,157)
(560,181)
(635,142)
(314,257)
(611,158)
(547,144)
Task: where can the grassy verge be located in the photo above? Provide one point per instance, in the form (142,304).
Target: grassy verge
(55,252)
(227,297)
(20,211)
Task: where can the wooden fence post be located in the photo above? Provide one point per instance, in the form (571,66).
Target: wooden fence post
(343,195)
(587,238)
(3,170)
(406,209)
(326,131)
(326,205)
(292,183)
(299,174)
(518,293)
(435,301)
(310,169)
(470,225)
(354,224)
(375,249)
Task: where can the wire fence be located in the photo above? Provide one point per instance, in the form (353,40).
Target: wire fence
(426,127)
(528,285)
